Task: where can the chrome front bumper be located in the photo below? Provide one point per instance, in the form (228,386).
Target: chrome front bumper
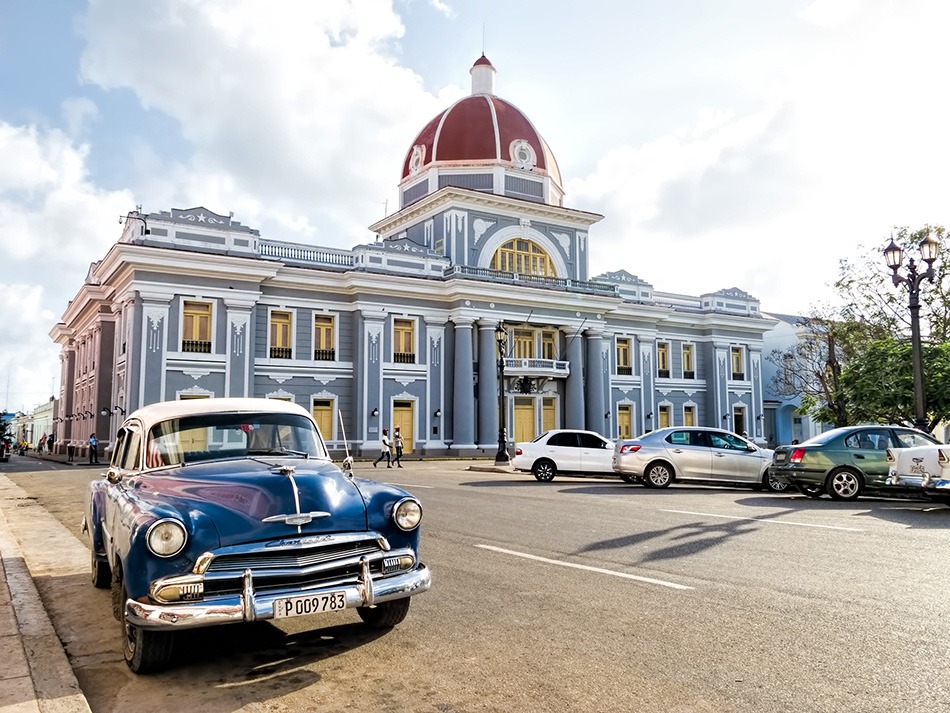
(251,606)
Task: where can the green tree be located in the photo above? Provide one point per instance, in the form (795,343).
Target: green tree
(852,362)
(879,386)
(812,367)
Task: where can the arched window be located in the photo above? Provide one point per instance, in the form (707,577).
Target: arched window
(524,257)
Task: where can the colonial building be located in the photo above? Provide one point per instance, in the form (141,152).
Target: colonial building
(403,329)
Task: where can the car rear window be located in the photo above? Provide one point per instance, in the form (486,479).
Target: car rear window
(911,439)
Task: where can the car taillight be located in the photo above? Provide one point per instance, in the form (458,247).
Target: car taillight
(797,455)
(631,448)
(889,456)
(942,457)
(519,452)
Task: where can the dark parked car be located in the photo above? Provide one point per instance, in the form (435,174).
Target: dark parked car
(218,511)
(844,462)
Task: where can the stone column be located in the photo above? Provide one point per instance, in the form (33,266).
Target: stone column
(239,360)
(487,385)
(594,381)
(574,410)
(463,406)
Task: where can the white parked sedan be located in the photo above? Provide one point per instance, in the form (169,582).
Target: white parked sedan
(564,451)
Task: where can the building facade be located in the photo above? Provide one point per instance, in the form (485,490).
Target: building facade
(403,330)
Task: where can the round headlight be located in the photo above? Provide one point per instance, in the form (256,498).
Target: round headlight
(166,538)
(407,514)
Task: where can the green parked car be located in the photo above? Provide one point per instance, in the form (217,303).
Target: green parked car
(844,462)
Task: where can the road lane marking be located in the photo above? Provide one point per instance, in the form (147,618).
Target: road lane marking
(768,522)
(405,485)
(599,570)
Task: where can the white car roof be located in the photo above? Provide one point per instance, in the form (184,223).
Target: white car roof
(165,410)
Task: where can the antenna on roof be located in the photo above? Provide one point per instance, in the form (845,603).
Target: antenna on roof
(483,39)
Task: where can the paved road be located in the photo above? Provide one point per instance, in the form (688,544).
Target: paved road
(576,595)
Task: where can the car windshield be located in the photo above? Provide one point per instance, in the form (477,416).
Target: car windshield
(231,435)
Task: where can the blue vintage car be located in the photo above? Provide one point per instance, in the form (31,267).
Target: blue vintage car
(218,511)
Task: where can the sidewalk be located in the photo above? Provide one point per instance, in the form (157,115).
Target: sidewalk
(35,675)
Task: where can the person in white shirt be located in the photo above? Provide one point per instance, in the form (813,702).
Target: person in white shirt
(385,447)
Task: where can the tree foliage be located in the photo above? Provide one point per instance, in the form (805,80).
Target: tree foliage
(879,386)
(852,363)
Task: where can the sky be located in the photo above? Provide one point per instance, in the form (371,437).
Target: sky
(736,143)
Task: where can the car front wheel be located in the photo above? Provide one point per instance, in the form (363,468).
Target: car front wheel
(385,615)
(145,651)
(659,475)
(544,470)
(844,485)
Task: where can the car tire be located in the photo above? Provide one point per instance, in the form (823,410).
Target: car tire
(844,484)
(658,475)
(544,470)
(99,572)
(812,491)
(385,615)
(772,485)
(147,651)
(144,651)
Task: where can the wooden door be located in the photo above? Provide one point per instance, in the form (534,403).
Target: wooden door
(624,421)
(403,413)
(548,419)
(524,420)
(323,415)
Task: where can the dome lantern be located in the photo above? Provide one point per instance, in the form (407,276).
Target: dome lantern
(483,76)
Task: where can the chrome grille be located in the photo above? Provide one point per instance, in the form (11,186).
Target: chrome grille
(291,560)
(298,568)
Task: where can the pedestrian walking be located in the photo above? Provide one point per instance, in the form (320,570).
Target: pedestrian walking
(385,448)
(49,442)
(93,448)
(397,440)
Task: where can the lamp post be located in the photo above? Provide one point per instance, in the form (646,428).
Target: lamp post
(894,256)
(501,341)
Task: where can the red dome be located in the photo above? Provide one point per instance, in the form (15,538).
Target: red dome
(478,130)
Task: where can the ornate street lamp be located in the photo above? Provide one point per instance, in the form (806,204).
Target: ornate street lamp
(501,340)
(894,256)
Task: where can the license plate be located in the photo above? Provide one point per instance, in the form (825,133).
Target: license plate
(919,469)
(309,604)
(779,457)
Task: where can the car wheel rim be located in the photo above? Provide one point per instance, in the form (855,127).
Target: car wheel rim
(659,476)
(845,484)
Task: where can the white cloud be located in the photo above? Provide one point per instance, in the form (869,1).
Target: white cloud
(304,105)
(53,222)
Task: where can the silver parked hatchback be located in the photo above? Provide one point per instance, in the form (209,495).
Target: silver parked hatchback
(694,453)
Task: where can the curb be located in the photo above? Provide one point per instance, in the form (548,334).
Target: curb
(47,681)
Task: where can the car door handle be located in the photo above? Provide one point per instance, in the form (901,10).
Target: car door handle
(719,455)
(858,455)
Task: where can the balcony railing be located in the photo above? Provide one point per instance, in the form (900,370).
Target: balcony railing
(625,371)
(324,354)
(738,376)
(404,357)
(689,374)
(663,373)
(196,345)
(281,353)
(537,367)
(558,283)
